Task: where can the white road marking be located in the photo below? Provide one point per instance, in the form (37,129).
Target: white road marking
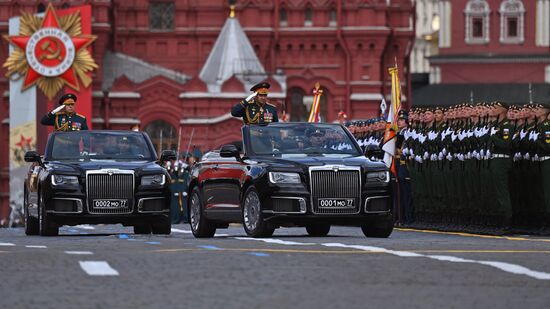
(174,230)
(36,246)
(507,267)
(85,227)
(277,241)
(98,268)
(79,252)
(6,244)
(221,235)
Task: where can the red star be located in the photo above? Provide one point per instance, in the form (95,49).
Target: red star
(24,143)
(51,21)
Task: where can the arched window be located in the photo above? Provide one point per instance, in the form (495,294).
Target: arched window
(511,21)
(332,17)
(298,110)
(308,17)
(41,8)
(163,135)
(283,17)
(477,22)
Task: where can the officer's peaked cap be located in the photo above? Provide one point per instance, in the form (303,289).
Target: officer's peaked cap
(68,98)
(261,88)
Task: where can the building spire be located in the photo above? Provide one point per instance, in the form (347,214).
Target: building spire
(232,8)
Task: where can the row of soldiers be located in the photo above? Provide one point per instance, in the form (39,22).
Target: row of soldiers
(485,163)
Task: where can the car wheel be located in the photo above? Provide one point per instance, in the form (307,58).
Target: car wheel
(46,226)
(142,228)
(200,225)
(318,230)
(253,220)
(380,228)
(162,226)
(31,223)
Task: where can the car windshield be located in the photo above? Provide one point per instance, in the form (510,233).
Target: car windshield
(100,145)
(301,139)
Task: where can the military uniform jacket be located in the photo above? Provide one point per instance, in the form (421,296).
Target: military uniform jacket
(501,141)
(65,122)
(543,140)
(253,113)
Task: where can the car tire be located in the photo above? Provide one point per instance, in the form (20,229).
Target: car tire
(380,228)
(318,230)
(31,223)
(46,225)
(252,217)
(200,225)
(142,229)
(162,226)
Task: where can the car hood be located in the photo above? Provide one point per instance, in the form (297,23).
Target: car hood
(82,167)
(305,162)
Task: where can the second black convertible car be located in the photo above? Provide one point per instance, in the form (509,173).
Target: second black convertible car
(291,174)
(97,177)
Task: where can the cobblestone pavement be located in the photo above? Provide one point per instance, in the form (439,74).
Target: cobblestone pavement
(107,266)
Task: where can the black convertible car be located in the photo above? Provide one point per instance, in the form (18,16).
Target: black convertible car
(291,174)
(97,177)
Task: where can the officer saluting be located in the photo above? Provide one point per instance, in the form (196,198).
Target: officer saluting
(66,120)
(255,109)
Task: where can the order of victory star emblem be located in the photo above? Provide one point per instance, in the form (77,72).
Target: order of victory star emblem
(51,52)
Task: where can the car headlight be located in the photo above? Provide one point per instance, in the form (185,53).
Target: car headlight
(153,180)
(277,177)
(378,176)
(58,180)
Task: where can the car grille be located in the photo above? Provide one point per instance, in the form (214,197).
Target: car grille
(110,186)
(341,184)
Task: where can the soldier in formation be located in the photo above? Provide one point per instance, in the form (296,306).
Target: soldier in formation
(485,163)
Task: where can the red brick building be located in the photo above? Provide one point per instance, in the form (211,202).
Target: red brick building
(490,50)
(152,57)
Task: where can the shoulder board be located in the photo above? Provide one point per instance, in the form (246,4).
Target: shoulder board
(270,104)
(81,115)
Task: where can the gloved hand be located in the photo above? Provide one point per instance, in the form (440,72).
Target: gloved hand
(57,109)
(450,157)
(536,157)
(488,153)
(444,151)
(84,153)
(251,96)
(493,131)
(441,156)
(522,134)
(406,151)
(426,155)
(527,156)
(184,193)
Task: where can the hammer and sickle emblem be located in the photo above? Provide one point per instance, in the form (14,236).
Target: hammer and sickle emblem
(50,52)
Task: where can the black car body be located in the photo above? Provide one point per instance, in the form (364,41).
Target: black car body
(291,183)
(92,177)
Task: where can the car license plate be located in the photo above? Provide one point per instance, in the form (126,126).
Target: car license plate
(336,202)
(110,203)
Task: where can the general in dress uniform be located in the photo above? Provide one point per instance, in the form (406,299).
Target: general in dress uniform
(66,120)
(255,109)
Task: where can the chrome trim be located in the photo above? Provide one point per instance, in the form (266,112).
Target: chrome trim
(301,200)
(387,180)
(372,198)
(78,202)
(140,204)
(336,168)
(111,171)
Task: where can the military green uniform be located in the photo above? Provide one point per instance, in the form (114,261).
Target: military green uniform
(500,165)
(253,112)
(543,146)
(63,121)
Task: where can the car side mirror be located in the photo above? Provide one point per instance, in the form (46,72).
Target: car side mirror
(374,151)
(230,151)
(167,155)
(33,156)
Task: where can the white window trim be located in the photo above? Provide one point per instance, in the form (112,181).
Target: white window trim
(470,15)
(504,15)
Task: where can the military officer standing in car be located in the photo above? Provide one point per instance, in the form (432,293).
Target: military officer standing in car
(64,117)
(255,109)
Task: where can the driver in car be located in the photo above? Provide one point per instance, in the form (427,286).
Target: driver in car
(317,139)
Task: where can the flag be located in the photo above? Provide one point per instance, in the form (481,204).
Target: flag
(388,144)
(316,106)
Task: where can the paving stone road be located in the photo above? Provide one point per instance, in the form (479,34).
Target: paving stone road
(107,266)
